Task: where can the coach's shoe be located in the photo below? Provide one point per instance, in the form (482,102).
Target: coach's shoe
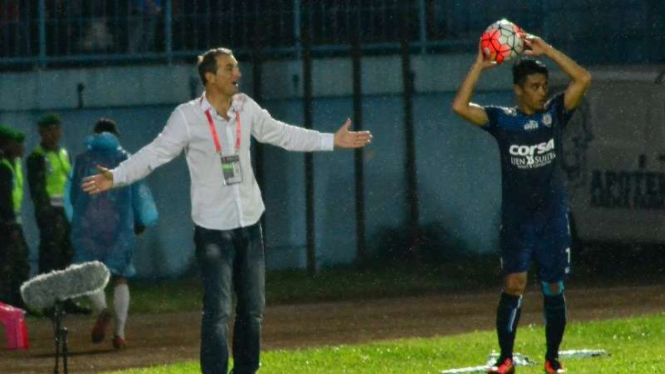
(554,366)
(502,366)
(119,343)
(102,324)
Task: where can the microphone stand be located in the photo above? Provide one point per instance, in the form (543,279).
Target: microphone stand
(51,291)
(60,336)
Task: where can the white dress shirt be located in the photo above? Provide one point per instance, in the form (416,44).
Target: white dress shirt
(215,205)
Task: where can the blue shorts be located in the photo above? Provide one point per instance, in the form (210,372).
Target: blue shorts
(545,239)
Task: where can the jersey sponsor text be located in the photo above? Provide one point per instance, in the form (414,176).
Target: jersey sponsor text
(532,156)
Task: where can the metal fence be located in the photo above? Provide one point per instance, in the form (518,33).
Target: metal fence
(47,32)
(53,32)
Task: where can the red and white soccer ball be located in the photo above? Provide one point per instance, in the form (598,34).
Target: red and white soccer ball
(502,41)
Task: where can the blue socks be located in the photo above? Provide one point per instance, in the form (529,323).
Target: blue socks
(507,317)
(555,323)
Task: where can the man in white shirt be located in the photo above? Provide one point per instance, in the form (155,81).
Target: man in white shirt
(214,131)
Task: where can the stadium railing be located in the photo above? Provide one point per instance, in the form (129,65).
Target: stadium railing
(47,33)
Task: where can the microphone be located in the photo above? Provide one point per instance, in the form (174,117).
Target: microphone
(44,290)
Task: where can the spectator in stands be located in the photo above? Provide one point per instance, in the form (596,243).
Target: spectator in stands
(143,24)
(98,37)
(14,35)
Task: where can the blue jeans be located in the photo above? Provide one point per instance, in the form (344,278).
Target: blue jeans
(231,258)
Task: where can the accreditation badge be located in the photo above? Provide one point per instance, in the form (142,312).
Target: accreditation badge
(231,170)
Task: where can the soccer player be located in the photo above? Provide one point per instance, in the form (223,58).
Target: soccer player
(535,204)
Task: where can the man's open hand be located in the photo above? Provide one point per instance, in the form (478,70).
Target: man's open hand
(351,139)
(98,183)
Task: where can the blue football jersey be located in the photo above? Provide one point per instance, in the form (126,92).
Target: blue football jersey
(531,156)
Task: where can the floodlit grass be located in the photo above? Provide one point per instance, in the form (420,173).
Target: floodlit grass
(294,286)
(637,345)
(165,296)
(468,274)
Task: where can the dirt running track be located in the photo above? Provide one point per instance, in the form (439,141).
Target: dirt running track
(168,338)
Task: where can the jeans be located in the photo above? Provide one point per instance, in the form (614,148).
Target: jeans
(231,258)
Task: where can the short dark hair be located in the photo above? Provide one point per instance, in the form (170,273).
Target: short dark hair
(106,125)
(207,62)
(525,67)
(49,119)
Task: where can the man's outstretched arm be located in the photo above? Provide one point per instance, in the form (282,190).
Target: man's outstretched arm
(294,138)
(580,79)
(98,183)
(170,142)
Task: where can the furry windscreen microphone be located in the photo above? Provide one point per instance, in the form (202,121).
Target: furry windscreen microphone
(44,290)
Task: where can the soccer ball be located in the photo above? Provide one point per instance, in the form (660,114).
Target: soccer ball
(502,41)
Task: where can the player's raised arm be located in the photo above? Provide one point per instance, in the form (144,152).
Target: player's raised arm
(580,77)
(462,105)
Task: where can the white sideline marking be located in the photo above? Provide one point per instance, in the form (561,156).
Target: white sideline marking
(522,360)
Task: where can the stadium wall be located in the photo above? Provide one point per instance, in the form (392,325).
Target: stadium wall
(458,168)
(138,86)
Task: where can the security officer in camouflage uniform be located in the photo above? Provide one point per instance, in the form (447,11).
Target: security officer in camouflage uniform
(14,265)
(48,170)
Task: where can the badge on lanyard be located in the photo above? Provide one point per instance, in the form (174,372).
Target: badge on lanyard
(231,169)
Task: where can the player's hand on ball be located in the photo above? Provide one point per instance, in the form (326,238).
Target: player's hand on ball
(536,45)
(98,183)
(483,61)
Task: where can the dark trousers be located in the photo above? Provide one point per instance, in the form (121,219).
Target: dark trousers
(55,247)
(14,266)
(231,260)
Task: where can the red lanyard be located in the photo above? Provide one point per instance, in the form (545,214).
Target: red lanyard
(218,147)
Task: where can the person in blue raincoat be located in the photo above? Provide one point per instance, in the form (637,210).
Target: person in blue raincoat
(104,226)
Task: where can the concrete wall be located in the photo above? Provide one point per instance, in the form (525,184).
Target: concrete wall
(458,167)
(138,86)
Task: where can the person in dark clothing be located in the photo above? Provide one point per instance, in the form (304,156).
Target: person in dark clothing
(534,208)
(48,170)
(14,266)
